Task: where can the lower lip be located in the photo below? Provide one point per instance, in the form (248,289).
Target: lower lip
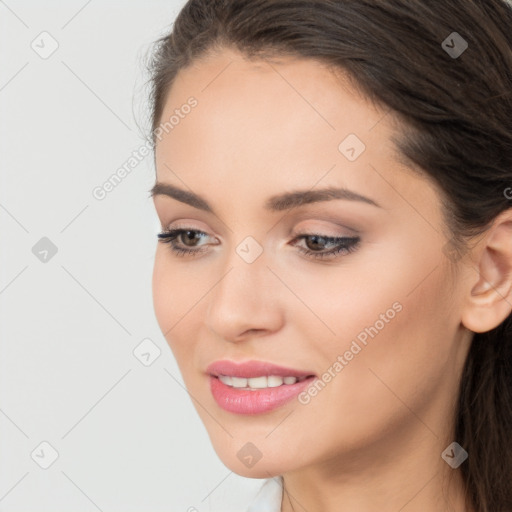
(246,401)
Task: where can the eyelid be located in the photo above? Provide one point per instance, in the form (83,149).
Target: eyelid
(186,224)
(313,229)
(323,215)
(323,232)
(340,230)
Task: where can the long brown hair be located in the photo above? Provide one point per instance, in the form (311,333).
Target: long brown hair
(457,114)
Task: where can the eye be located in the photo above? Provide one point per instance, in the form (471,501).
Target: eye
(342,245)
(190,237)
(315,243)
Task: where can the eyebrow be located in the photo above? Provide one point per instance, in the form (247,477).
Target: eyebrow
(277,203)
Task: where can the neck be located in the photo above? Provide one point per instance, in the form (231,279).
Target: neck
(409,477)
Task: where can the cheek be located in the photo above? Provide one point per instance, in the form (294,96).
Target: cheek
(177,287)
(391,300)
(173,296)
(163,301)
(393,335)
(181,294)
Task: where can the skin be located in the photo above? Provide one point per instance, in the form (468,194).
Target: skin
(372,438)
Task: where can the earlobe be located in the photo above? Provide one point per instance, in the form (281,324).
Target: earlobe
(489,299)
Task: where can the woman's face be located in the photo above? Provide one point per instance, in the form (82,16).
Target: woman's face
(378,324)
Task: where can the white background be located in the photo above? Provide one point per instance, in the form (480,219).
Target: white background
(127,435)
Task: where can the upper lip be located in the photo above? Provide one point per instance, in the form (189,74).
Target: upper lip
(249,369)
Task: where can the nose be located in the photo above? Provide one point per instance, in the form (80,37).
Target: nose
(245,302)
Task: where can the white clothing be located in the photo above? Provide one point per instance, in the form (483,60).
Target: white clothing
(269,497)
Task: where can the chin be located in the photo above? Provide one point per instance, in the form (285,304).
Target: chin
(258,467)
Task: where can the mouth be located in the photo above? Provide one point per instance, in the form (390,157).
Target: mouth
(256,371)
(255,387)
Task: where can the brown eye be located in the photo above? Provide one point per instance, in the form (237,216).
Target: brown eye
(185,237)
(315,245)
(188,237)
(315,242)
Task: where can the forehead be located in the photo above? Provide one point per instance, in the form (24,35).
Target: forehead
(298,97)
(260,126)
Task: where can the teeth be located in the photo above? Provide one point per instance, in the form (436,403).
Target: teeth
(238,382)
(225,380)
(257,382)
(273,381)
(262,382)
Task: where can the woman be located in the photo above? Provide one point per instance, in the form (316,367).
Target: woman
(334,186)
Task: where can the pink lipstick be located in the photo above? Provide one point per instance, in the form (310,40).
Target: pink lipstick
(255,387)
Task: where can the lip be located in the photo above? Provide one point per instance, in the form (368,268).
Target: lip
(249,369)
(255,401)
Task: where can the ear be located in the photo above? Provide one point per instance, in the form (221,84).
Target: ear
(489,299)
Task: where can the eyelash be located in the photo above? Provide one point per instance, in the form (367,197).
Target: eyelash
(346,245)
